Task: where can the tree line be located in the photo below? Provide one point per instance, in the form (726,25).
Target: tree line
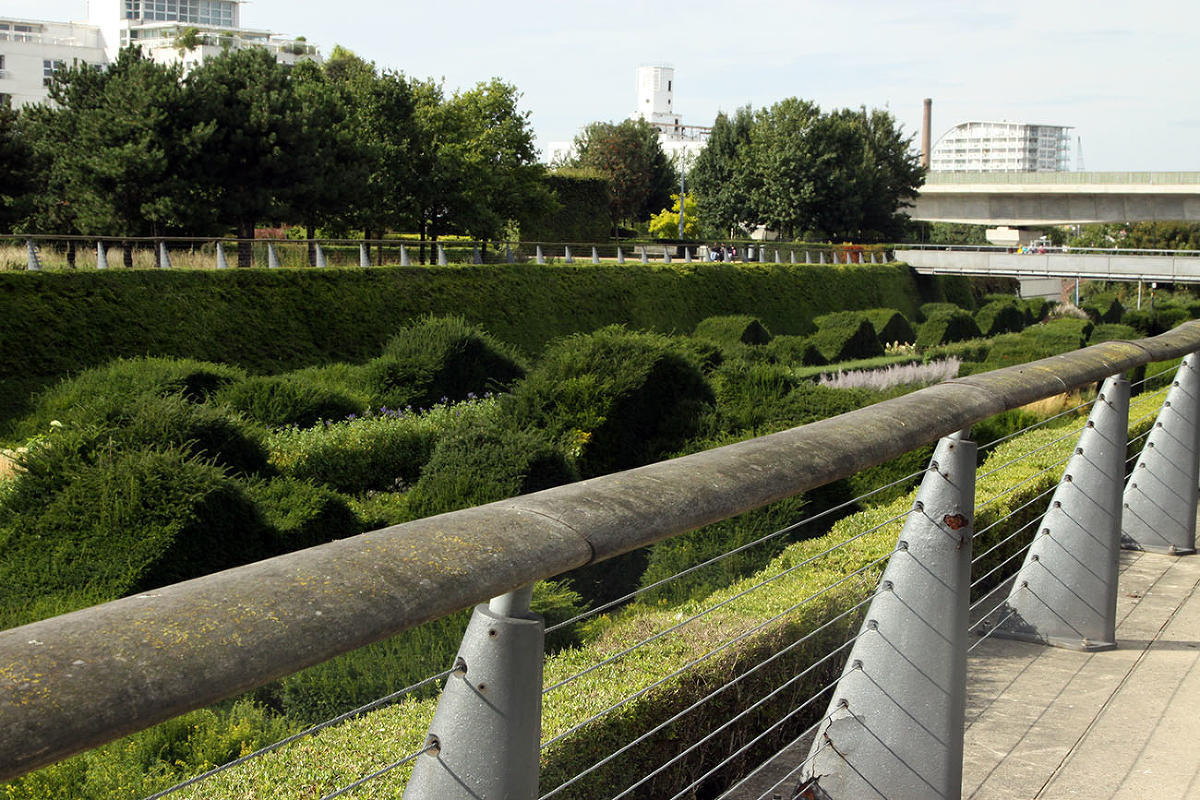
(142,149)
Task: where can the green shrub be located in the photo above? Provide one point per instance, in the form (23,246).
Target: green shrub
(970,350)
(1036,309)
(944,327)
(1039,341)
(1109,332)
(301,514)
(621,398)
(1000,317)
(439,359)
(276,401)
(206,431)
(129,521)
(930,309)
(733,329)
(795,350)
(124,382)
(891,326)
(484,463)
(845,340)
(1104,308)
(158,757)
(745,394)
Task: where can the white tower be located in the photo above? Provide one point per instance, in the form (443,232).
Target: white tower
(655,92)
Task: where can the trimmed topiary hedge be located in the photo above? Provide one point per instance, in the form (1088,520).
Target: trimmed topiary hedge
(944,327)
(55,324)
(276,401)
(847,338)
(1000,317)
(733,329)
(795,350)
(618,398)
(891,326)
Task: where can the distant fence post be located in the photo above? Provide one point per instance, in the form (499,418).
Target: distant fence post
(222,262)
(364,256)
(164,258)
(620,255)
(567,255)
(320,259)
(894,727)
(1066,592)
(508,254)
(101,256)
(272,256)
(540,257)
(666,255)
(485,737)
(476,258)
(441,255)
(595,255)
(404,259)
(1160,498)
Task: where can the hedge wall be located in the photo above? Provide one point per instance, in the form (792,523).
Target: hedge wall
(57,323)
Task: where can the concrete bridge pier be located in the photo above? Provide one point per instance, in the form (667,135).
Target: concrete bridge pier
(1016,236)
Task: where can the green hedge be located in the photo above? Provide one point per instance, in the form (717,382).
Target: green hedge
(846,338)
(54,324)
(891,326)
(1000,317)
(733,329)
(946,326)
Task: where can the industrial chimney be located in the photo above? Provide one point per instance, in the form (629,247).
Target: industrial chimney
(926,126)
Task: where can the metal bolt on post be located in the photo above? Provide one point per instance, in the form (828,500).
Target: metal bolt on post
(364,256)
(1159,513)
(101,256)
(320,257)
(1066,592)
(272,256)
(894,726)
(487,726)
(164,258)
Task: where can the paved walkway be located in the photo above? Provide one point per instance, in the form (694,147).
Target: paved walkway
(1045,723)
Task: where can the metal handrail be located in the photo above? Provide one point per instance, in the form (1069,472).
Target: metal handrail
(76,681)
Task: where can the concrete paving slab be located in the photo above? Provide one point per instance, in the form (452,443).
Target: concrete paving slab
(1044,722)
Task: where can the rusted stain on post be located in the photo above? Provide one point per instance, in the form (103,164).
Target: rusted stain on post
(79,680)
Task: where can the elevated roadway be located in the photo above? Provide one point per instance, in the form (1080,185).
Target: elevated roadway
(1032,199)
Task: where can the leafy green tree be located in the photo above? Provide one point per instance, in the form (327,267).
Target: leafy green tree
(665,224)
(630,155)
(333,174)
(258,137)
(474,161)
(116,149)
(719,177)
(15,165)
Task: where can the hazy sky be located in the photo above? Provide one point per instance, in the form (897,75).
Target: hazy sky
(1123,74)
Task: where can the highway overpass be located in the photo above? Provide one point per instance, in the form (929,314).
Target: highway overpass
(1024,200)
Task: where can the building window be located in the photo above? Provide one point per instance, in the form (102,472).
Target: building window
(48,68)
(197,12)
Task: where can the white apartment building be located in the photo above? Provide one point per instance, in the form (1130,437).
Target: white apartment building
(1002,147)
(186,31)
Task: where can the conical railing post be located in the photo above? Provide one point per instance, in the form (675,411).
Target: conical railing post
(485,738)
(1066,591)
(894,727)
(222,261)
(1159,513)
(321,260)
(595,256)
(164,258)
(272,256)
(101,256)
(32,262)
(567,259)
(441,256)
(364,256)
(540,258)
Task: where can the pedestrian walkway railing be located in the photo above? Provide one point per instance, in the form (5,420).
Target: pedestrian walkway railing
(849,648)
(34,253)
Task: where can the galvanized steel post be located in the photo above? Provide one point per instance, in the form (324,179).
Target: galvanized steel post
(320,259)
(101,256)
(620,255)
(567,255)
(442,260)
(272,256)
(485,737)
(476,258)
(1066,592)
(595,256)
(894,728)
(541,259)
(32,262)
(222,262)
(164,258)
(364,256)
(1160,498)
